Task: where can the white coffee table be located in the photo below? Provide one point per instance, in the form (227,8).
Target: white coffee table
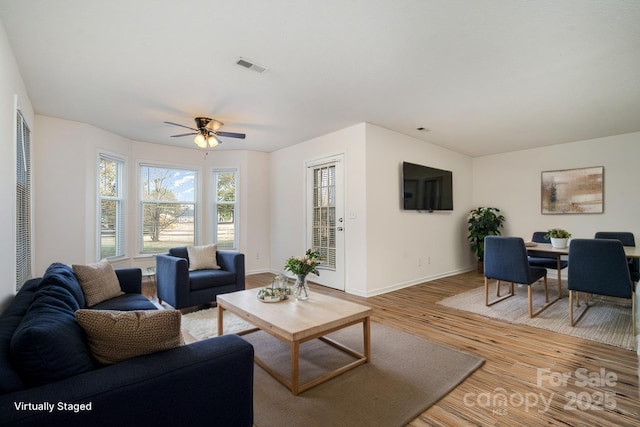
(295,322)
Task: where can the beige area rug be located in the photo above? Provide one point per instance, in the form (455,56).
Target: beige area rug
(203,324)
(607,321)
(405,377)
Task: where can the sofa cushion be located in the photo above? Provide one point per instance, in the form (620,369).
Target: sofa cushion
(48,344)
(115,336)
(126,302)
(98,282)
(203,257)
(62,275)
(205,279)
(10,379)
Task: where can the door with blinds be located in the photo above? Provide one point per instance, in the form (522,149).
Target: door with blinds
(325,219)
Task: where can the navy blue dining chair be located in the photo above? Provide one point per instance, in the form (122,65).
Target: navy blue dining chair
(505,259)
(599,266)
(627,239)
(540,259)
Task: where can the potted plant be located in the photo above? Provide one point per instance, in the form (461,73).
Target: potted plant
(483,222)
(558,237)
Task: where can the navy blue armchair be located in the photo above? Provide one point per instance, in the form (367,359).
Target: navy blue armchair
(627,239)
(505,259)
(182,288)
(599,266)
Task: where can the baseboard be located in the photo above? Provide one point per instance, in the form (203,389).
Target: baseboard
(252,272)
(398,286)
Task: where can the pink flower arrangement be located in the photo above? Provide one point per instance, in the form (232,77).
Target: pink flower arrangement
(304,265)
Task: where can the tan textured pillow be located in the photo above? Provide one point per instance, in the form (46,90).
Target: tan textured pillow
(115,336)
(203,257)
(98,282)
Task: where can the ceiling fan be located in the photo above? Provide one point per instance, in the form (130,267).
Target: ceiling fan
(206,132)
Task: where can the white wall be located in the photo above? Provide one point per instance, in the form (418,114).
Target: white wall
(65,180)
(511,182)
(12,91)
(383,242)
(409,247)
(288,178)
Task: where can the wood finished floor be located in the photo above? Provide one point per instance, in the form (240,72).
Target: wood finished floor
(515,355)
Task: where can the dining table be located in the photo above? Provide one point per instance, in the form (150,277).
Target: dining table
(534,248)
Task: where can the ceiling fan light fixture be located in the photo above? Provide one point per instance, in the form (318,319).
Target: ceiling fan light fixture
(213,141)
(206,132)
(200,140)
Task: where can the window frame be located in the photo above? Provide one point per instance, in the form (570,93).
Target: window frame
(215,203)
(141,202)
(121,199)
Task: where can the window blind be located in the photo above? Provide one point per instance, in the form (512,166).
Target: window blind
(23,201)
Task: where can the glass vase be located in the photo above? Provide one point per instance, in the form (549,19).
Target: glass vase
(301,289)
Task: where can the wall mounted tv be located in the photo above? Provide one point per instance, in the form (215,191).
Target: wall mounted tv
(426,189)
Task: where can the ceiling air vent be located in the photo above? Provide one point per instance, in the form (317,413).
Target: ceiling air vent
(251,65)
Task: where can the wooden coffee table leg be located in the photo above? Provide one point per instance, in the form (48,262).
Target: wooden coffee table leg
(220,322)
(295,368)
(366,332)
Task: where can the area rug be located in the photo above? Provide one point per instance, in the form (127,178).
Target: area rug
(607,321)
(405,377)
(203,324)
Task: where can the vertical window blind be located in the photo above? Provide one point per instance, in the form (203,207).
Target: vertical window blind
(23,201)
(324,214)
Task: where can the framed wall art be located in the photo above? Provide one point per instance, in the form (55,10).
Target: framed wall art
(573,191)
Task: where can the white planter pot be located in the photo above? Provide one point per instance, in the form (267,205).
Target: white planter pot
(559,243)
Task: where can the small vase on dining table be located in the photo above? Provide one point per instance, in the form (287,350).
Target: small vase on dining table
(301,289)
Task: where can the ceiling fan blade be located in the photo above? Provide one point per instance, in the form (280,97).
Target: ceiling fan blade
(182,126)
(184,134)
(230,134)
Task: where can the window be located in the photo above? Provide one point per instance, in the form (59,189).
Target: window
(111,207)
(324,214)
(225,208)
(23,201)
(168,208)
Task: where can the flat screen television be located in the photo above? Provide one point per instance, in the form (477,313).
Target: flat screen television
(426,189)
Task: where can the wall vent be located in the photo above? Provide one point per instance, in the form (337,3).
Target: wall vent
(243,62)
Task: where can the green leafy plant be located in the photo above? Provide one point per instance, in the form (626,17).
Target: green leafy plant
(557,233)
(269,293)
(483,222)
(304,265)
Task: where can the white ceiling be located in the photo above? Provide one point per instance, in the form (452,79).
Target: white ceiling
(484,76)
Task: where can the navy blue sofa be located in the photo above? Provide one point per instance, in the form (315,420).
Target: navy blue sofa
(181,288)
(209,382)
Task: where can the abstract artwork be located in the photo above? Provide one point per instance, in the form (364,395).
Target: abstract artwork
(573,191)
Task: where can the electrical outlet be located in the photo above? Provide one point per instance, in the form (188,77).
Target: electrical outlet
(428,260)
(419,262)
(257,255)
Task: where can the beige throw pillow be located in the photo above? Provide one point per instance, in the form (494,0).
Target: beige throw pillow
(115,336)
(98,282)
(203,257)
